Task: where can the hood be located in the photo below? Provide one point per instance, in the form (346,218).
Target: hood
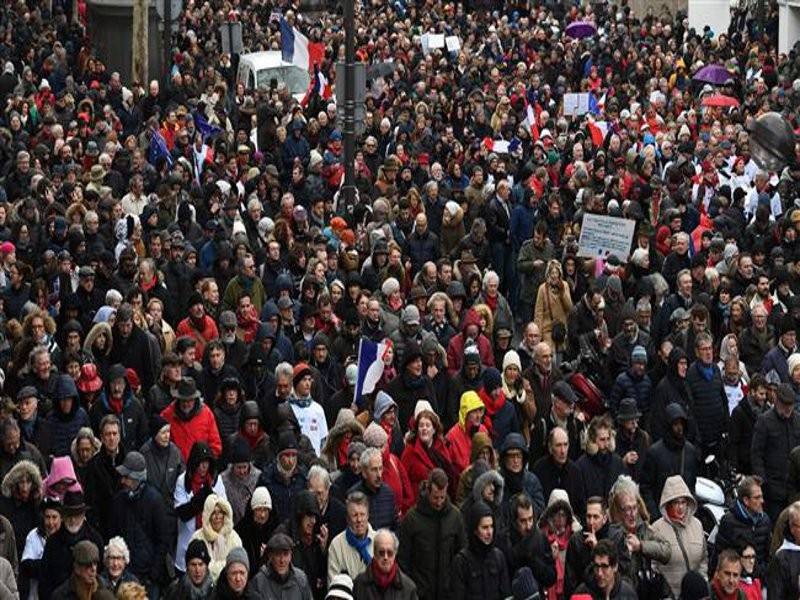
(23,468)
(675,411)
(200,451)
(475,513)
(675,355)
(480,441)
(208,507)
(469,402)
(471,318)
(345,421)
(591,446)
(675,487)
(305,503)
(514,441)
(559,500)
(489,477)
(94,333)
(60,470)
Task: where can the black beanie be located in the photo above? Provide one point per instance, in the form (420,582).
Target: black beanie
(197,549)
(694,586)
(240,451)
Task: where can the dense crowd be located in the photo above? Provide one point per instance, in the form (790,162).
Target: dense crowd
(185,289)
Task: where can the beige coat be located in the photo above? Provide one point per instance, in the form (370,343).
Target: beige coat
(343,558)
(221,542)
(689,531)
(551,308)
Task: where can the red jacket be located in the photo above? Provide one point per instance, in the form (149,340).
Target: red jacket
(455,349)
(418,463)
(461,446)
(201,426)
(396,477)
(202,337)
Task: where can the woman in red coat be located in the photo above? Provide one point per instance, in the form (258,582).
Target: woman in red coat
(427,449)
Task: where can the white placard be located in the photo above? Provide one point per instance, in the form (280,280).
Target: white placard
(576,104)
(435,40)
(602,236)
(453,43)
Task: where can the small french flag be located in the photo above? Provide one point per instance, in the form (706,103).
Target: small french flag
(370,368)
(598,131)
(296,49)
(319,85)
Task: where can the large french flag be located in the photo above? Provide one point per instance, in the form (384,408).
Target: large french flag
(296,49)
(598,130)
(370,368)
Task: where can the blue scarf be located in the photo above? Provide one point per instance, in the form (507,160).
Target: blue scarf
(707,371)
(362,546)
(746,515)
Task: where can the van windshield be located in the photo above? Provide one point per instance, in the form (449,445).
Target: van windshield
(295,78)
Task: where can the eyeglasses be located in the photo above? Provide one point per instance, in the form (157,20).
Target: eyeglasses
(748,556)
(601,566)
(385,553)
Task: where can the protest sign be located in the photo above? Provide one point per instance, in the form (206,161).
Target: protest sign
(602,236)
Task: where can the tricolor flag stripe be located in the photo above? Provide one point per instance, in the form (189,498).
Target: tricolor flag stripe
(370,368)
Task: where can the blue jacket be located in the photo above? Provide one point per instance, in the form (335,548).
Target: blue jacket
(382,506)
(776,359)
(627,386)
(523,219)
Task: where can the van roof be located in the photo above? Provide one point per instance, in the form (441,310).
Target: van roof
(264,60)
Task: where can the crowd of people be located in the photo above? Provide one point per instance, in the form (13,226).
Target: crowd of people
(186,287)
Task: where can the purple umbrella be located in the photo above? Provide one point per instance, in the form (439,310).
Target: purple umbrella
(580,29)
(715,74)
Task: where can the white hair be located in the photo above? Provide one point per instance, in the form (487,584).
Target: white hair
(321,473)
(118,544)
(113,296)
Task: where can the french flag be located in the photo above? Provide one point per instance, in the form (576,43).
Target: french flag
(370,368)
(597,105)
(531,118)
(319,85)
(598,131)
(296,49)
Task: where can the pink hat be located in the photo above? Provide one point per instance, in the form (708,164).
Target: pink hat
(7,248)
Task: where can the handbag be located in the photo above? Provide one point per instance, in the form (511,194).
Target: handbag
(651,584)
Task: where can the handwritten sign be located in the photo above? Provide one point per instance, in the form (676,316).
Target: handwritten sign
(576,104)
(453,43)
(602,236)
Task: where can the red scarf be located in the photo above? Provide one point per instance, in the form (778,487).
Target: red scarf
(383,580)
(198,481)
(148,285)
(255,439)
(493,406)
(249,324)
(557,589)
(491,302)
(672,513)
(115,404)
(341,451)
(720,594)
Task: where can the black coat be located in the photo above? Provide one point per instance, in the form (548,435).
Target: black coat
(784,573)
(102,482)
(383,510)
(429,542)
(670,389)
(135,353)
(599,472)
(710,405)
(743,422)
(532,551)
(773,440)
(567,477)
(141,519)
(738,529)
(57,558)
(665,458)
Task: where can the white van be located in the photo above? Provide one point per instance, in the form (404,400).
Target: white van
(258,69)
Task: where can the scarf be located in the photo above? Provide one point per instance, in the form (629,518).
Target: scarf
(341,449)
(148,285)
(383,580)
(557,589)
(720,594)
(491,302)
(115,404)
(493,405)
(255,439)
(414,383)
(249,324)
(198,593)
(301,402)
(395,304)
(672,514)
(360,546)
(197,483)
(707,371)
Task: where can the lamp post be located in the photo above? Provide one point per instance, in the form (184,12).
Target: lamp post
(349,128)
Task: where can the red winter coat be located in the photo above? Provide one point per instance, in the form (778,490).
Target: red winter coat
(202,337)
(200,426)
(455,349)
(418,463)
(396,477)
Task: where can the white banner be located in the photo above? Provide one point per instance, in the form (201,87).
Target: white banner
(602,236)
